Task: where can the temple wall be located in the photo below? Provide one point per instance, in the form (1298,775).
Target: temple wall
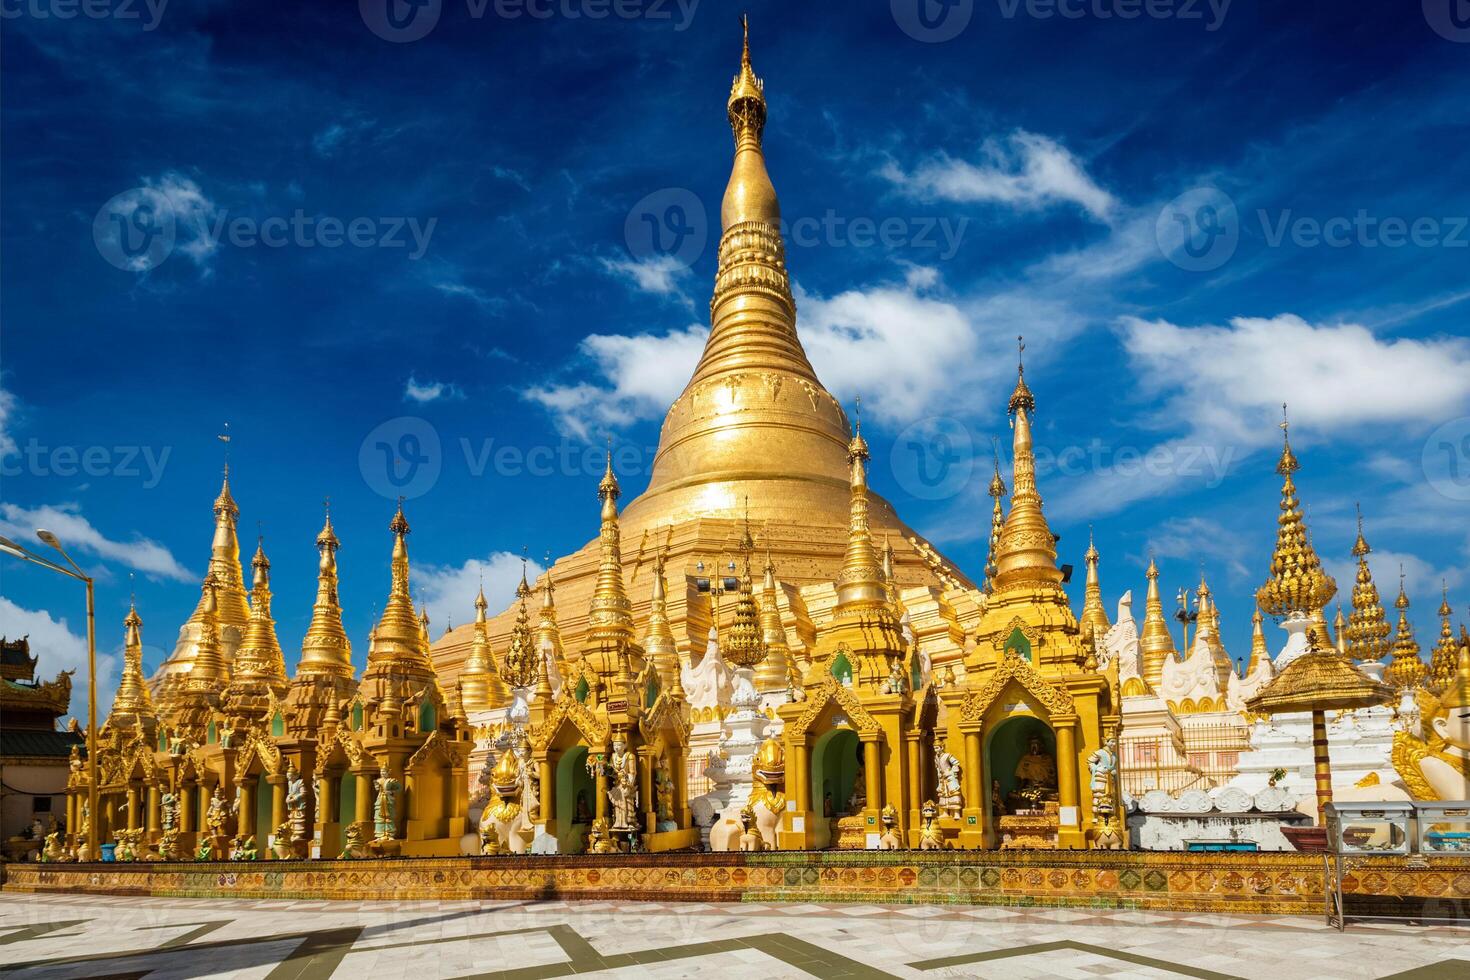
(1252,883)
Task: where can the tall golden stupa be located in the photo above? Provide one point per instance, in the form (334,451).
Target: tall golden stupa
(754,427)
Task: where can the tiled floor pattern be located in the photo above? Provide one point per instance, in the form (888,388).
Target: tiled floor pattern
(73,937)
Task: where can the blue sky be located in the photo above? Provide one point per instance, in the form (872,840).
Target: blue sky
(387,241)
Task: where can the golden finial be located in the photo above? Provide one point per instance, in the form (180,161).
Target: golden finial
(1021,398)
(399,524)
(1367,628)
(860,582)
(1156,643)
(1027,555)
(1297,584)
(1094,616)
(1405,671)
(857,448)
(1446,651)
(1258,642)
(325,649)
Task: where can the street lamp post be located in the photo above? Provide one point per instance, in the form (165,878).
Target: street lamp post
(93,845)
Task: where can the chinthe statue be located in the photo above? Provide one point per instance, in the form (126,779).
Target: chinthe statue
(890,841)
(931,835)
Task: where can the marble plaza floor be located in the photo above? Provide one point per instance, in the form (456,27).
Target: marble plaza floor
(60,937)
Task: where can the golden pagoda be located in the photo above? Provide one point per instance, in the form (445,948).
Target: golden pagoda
(1033,706)
(658,641)
(258,680)
(1156,643)
(754,422)
(1406,670)
(480,685)
(1259,652)
(1367,628)
(231,607)
(1094,616)
(132,705)
(777,672)
(1297,585)
(1446,652)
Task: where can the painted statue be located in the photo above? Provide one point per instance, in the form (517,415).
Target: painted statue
(385,805)
(530,781)
(504,815)
(168,846)
(1437,766)
(54,852)
(354,846)
(663,785)
(858,800)
(750,835)
(168,805)
(889,841)
(243,848)
(949,780)
(1103,764)
(623,791)
(600,840)
(931,835)
(295,804)
(218,814)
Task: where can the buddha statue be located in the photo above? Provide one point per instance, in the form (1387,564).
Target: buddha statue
(1439,768)
(1036,778)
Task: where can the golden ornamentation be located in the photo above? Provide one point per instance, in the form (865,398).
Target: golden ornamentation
(1368,628)
(824,693)
(1094,617)
(1054,699)
(1156,644)
(1297,583)
(1446,653)
(1406,670)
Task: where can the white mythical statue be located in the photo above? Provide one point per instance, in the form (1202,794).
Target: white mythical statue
(710,683)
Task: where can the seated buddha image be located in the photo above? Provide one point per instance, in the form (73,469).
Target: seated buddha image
(1437,767)
(1036,778)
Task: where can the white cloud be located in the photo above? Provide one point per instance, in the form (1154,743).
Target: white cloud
(449,591)
(424,392)
(58,649)
(79,536)
(1025,170)
(1196,539)
(662,275)
(193,212)
(8,405)
(639,377)
(1421,581)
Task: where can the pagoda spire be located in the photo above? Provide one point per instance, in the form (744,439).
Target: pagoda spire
(1297,585)
(659,645)
(522,658)
(997,491)
(132,705)
(860,584)
(480,685)
(232,608)
(1259,652)
(1447,652)
(259,660)
(548,633)
(1094,616)
(325,649)
(1028,551)
(1367,627)
(610,629)
(1156,643)
(1406,670)
(398,653)
(775,671)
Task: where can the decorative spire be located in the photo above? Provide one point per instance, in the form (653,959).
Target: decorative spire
(1156,643)
(1367,628)
(480,686)
(749,196)
(210,673)
(1339,627)
(548,634)
(1297,585)
(522,659)
(399,650)
(610,628)
(860,584)
(1405,670)
(775,671)
(1447,652)
(658,644)
(1027,552)
(997,524)
(259,659)
(1259,653)
(325,649)
(1094,616)
(132,705)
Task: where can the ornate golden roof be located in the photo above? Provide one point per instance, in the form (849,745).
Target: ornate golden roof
(1027,552)
(326,649)
(1319,680)
(132,705)
(1297,583)
(398,650)
(1367,629)
(1406,670)
(1094,616)
(1447,652)
(1155,642)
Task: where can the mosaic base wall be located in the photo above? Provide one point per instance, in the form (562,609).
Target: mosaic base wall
(1256,883)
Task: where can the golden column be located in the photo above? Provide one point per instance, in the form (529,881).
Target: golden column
(155,810)
(873,770)
(363,797)
(247,806)
(277,783)
(1065,727)
(134,821)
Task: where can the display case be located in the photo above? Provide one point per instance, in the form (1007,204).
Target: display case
(1444,828)
(1370,828)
